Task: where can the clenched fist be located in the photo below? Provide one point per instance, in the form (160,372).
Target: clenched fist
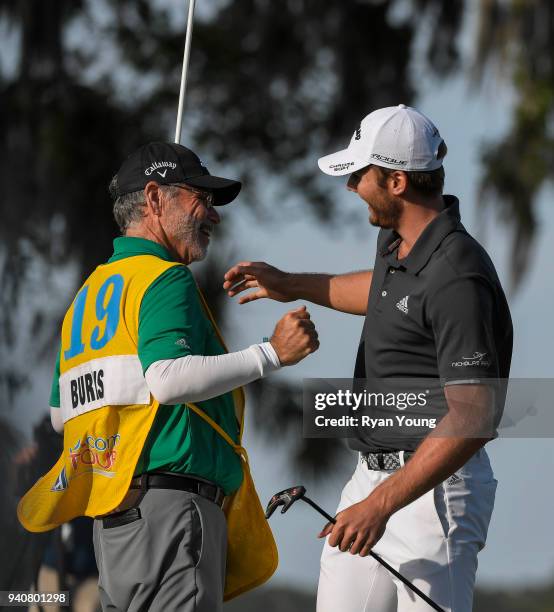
(294,337)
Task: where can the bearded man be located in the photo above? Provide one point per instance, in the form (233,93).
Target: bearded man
(434,309)
(139,349)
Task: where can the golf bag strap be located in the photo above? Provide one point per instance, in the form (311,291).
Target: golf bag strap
(238,394)
(240,450)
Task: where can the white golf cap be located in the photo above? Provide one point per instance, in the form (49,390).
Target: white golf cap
(397,137)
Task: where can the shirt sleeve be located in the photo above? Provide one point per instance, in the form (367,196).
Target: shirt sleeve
(171,322)
(196,378)
(55,390)
(462,319)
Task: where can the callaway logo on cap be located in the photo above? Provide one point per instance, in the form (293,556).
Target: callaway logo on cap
(397,137)
(169,163)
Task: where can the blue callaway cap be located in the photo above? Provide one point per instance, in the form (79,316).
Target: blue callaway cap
(169,163)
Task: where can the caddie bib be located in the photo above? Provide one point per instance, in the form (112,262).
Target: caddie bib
(108,411)
(106,406)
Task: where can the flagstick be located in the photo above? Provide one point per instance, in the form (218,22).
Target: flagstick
(186,56)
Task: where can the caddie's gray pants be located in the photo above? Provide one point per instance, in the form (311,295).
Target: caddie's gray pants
(172,558)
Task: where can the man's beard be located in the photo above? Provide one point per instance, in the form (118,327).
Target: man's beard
(187,230)
(385,214)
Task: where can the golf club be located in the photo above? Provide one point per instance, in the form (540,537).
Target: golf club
(287,497)
(186,56)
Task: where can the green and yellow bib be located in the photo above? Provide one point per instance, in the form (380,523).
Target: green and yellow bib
(106,406)
(108,413)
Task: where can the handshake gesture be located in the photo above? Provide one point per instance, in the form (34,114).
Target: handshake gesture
(295,336)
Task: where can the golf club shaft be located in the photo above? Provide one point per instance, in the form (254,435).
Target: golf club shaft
(406,581)
(320,510)
(380,560)
(186,56)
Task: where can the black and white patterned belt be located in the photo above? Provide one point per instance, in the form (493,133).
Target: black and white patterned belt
(385,461)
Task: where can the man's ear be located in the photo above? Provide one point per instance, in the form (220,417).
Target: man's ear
(397,183)
(152,196)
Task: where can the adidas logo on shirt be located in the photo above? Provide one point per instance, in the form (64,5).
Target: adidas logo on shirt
(403,304)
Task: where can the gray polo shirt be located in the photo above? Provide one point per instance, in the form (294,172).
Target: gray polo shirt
(439,313)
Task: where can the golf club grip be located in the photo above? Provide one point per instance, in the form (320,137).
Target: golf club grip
(406,581)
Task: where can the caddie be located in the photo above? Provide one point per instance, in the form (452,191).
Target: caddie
(151,403)
(434,309)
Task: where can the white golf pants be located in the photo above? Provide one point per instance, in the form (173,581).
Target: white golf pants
(433,542)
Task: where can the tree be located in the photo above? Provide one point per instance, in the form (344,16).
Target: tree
(273,83)
(64,140)
(270,82)
(518,38)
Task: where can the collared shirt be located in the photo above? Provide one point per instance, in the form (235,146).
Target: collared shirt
(172,324)
(439,313)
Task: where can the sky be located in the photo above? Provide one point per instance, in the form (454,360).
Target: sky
(519,547)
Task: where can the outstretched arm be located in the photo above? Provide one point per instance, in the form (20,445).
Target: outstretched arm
(343,292)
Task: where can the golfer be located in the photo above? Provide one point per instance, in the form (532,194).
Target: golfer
(138,344)
(434,309)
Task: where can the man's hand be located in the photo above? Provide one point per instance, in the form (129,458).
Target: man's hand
(270,282)
(343,292)
(438,456)
(294,337)
(358,528)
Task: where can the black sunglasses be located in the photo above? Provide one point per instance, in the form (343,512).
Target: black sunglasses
(356,177)
(206,197)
